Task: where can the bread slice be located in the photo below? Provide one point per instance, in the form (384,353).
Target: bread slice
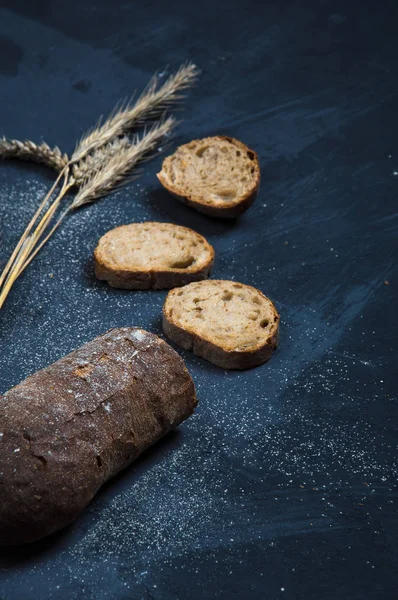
(219,176)
(230,324)
(149,255)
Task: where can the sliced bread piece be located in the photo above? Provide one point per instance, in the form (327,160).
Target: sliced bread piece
(229,324)
(219,176)
(150,255)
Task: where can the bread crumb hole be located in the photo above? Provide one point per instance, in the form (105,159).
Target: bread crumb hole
(183,263)
(200,152)
(238,153)
(227,194)
(250,155)
(264,323)
(238,286)
(227,295)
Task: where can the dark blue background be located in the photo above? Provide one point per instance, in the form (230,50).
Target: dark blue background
(283,485)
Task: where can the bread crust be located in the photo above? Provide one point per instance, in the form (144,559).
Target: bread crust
(230,211)
(213,352)
(147,278)
(70,427)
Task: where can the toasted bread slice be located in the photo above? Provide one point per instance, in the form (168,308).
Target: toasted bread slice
(149,255)
(219,176)
(229,324)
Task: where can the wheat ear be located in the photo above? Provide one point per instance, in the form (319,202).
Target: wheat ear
(152,102)
(39,153)
(115,171)
(91,164)
(53,157)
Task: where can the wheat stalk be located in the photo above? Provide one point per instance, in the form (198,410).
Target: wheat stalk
(102,161)
(53,157)
(88,166)
(113,173)
(28,242)
(152,102)
(39,153)
(21,244)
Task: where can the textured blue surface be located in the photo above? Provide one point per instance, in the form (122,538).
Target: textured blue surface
(283,485)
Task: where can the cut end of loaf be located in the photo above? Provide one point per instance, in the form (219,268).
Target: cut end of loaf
(228,323)
(219,175)
(152,255)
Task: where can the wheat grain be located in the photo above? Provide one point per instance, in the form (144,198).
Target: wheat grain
(39,153)
(91,164)
(115,171)
(151,103)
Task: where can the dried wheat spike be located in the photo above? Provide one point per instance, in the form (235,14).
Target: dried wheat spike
(39,153)
(152,102)
(91,164)
(115,172)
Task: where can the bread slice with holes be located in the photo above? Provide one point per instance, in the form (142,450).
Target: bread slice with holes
(150,255)
(219,176)
(229,324)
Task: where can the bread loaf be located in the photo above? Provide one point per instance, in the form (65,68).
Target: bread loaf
(149,255)
(219,176)
(70,427)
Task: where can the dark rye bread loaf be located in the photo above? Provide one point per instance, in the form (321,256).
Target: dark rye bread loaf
(70,427)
